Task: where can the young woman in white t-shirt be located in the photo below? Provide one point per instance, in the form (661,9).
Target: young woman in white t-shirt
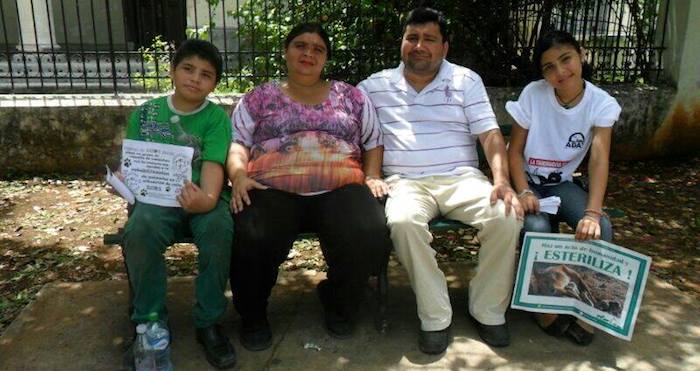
(559,118)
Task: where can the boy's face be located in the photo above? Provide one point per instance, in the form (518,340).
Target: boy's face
(194,78)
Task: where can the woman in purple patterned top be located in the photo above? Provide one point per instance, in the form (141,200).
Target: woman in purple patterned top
(306,156)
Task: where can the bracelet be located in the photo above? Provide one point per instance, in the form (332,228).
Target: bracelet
(591,218)
(525,191)
(594,211)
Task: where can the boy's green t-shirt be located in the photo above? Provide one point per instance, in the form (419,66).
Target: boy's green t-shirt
(207,130)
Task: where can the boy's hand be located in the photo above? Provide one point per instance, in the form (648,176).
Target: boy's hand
(193,200)
(241,184)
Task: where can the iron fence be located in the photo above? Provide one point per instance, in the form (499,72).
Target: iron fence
(59,46)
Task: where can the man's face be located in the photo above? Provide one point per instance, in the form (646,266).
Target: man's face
(423,48)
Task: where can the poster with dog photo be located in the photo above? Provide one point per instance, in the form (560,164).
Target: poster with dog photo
(596,281)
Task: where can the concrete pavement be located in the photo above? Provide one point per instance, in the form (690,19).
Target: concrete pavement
(83,326)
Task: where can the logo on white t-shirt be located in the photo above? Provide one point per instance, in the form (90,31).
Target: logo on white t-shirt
(576,141)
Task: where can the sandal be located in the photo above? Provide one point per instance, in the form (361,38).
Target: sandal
(559,326)
(578,334)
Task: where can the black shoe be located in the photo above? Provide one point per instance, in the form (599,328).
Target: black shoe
(217,347)
(578,334)
(494,335)
(256,334)
(338,325)
(433,342)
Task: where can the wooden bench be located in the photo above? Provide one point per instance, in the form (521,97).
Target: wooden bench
(381,322)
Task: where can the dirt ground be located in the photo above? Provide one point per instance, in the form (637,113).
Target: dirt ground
(51,230)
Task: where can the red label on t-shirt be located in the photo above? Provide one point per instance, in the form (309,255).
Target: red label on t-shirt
(547,163)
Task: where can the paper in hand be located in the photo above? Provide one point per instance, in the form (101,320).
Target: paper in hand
(119,186)
(550,205)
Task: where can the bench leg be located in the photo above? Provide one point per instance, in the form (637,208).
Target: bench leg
(380,321)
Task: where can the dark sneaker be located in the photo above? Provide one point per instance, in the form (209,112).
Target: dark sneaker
(433,342)
(256,334)
(494,335)
(217,347)
(338,326)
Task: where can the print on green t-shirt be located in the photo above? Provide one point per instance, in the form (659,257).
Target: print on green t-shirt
(207,130)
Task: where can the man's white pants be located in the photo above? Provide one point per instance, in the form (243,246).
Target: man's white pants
(466,198)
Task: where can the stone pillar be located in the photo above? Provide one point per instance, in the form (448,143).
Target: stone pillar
(34,21)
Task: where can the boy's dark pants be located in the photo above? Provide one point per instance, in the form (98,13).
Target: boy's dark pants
(148,233)
(351,227)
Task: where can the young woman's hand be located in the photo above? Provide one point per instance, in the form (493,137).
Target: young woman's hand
(241,184)
(588,228)
(530,203)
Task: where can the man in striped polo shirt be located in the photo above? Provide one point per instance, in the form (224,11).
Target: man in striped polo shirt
(432,112)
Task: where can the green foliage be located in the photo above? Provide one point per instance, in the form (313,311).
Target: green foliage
(156,58)
(364,35)
(494,38)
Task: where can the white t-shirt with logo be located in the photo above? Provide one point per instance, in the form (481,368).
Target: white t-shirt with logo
(559,138)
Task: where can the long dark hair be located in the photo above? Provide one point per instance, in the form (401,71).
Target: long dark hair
(308,27)
(554,38)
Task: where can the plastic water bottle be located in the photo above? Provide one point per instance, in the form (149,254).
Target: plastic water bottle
(158,338)
(144,356)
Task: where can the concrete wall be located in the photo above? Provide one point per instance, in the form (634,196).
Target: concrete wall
(678,133)
(78,134)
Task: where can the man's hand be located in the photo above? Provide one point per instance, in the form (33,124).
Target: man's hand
(504,192)
(378,187)
(193,200)
(239,196)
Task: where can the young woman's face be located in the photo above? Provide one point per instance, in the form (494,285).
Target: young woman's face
(306,55)
(561,66)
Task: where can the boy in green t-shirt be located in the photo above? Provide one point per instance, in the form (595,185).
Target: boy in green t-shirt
(186,118)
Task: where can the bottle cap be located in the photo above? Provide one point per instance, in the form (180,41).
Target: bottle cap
(141,328)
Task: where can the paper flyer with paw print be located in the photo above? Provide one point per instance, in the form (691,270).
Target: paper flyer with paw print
(155,172)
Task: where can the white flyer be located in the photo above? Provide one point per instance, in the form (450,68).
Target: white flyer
(155,172)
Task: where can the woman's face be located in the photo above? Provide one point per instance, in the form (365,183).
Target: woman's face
(306,55)
(562,66)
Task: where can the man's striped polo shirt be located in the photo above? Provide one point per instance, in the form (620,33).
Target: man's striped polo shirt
(432,132)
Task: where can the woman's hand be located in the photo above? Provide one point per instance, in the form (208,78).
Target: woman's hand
(378,187)
(239,195)
(529,202)
(588,227)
